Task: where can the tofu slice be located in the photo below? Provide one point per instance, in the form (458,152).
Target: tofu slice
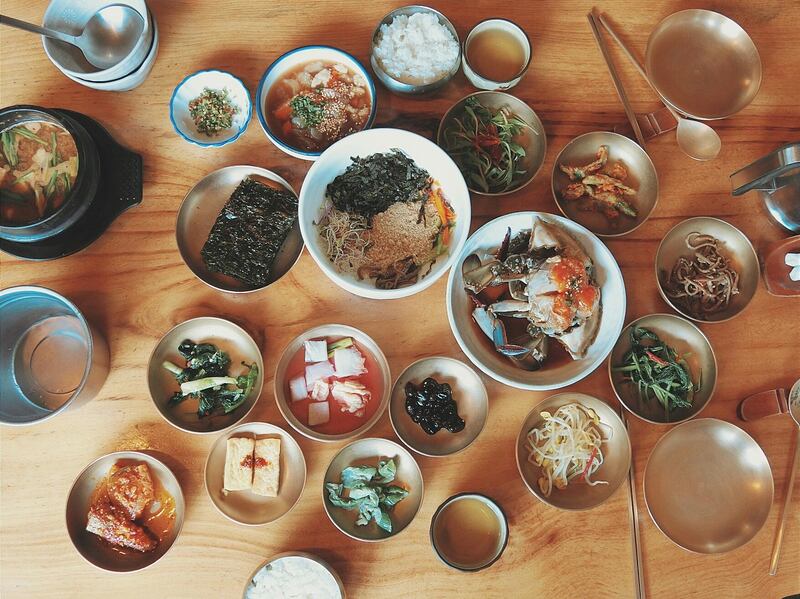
(267,467)
(239,464)
(319,412)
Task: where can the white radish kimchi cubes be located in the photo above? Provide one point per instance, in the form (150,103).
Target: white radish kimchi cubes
(318,413)
(316,351)
(298,388)
(349,362)
(319,371)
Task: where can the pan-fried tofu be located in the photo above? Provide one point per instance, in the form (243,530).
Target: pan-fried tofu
(267,467)
(131,488)
(239,464)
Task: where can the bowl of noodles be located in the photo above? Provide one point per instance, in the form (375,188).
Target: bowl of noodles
(384,213)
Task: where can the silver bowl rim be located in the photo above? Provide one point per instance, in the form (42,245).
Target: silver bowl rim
(89,342)
(537,122)
(304,554)
(180,502)
(225,436)
(260,358)
(624,332)
(682,110)
(614,135)
(477,433)
(751,254)
(647,464)
(327,509)
(400,87)
(537,408)
(258,170)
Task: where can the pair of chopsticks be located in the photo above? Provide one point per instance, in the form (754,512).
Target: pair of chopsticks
(595,20)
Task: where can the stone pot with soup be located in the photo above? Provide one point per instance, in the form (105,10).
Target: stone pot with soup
(311,97)
(49,172)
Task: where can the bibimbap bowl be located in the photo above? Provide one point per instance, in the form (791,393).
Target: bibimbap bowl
(426,155)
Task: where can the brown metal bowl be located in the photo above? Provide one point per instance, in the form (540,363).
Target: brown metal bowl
(703,64)
(708,486)
(735,246)
(298,555)
(690,343)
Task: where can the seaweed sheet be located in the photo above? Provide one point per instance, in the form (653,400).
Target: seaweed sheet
(249,232)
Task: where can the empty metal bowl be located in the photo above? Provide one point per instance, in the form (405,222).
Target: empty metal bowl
(324,573)
(228,337)
(692,346)
(401,87)
(735,247)
(616,455)
(708,486)
(534,142)
(51,358)
(246,507)
(642,177)
(368,452)
(281,382)
(703,64)
(91,547)
(199,211)
(469,393)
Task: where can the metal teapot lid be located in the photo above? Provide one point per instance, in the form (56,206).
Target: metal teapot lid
(767,173)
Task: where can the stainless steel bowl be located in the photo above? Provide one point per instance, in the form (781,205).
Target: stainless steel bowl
(245,507)
(91,547)
(469,393)
(703,64)
(535,144)
(641,176)
(616,452)
(708,486)
(51,358)
(399,87)
(295,345)
(231,339)
(511,28)
(690,343)
(368,452)
(199,211)
(735,246)
(300,555)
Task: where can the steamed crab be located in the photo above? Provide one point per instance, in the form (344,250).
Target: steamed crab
(549,279)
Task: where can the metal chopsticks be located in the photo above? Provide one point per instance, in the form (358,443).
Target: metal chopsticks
(636,539)
(593,22)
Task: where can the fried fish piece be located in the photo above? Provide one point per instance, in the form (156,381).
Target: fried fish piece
(618,171)
(576,173)
(608,183)
(110,522)
(573,191)
(131,488)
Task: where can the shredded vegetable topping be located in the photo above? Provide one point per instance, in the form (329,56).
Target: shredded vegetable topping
(567,446)
(346,237)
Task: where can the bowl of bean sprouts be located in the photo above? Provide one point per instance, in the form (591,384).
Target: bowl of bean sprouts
(573,451)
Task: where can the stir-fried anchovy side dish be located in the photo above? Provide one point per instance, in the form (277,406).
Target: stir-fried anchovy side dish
(385,219)
(548,285)
(600,187)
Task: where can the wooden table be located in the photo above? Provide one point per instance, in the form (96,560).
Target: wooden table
(133,285)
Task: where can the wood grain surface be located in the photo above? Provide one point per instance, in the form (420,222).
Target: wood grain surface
(133,286)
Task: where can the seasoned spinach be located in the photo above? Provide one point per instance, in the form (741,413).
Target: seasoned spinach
(368,491)
(371,184)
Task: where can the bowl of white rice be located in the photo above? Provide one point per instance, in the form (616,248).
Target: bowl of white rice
(415,49)
(294,575)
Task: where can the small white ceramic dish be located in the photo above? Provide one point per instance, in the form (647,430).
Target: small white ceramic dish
(479,348)
(335,160)
(190,88)
(291,60)
(246,507)
(470,396)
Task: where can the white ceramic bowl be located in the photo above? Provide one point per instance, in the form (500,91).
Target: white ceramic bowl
(130,81)
(479,349)
(71,17)
(336,159)
(190,88)
(295,58)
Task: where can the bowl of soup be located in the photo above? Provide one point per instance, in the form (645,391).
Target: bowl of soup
(313,96)
(48,172)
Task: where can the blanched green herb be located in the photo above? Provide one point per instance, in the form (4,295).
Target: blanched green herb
(657,371)
(369,492)
(205,378)
(481,142)
(212,111)
(306,110)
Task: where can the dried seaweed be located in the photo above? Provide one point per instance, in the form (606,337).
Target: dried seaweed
(249,232)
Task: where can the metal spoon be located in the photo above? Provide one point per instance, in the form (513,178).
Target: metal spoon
(109,36)
(696,139)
